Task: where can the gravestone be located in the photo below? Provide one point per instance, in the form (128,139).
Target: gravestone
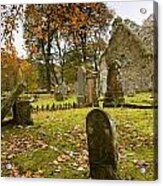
(22,113)
(101,145)
(103,82)
(81,81)
(103,78)
(91,87)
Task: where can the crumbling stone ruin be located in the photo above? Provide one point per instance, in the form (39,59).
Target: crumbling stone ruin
(130,57)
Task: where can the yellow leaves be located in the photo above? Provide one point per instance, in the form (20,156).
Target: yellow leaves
(33,48)
(16,68)
(78,145)
(9,61)
(38,32)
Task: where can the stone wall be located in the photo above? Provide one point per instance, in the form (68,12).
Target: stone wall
(135,56)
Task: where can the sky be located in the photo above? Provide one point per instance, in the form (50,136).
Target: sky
(132,9)
(125,9)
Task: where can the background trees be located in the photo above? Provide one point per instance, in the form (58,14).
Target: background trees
(60,37)
(15,70)
(54,31)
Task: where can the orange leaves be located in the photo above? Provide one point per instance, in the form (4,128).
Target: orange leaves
(69,16)
(16,69)
(26,174)
(74,22)
(33,48)
(9,60)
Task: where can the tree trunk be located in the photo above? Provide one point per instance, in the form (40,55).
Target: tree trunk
(48,76)
(62,74)
(95,60)
(83,38)
(55,75)
(60,56)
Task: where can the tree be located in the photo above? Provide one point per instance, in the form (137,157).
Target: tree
(52,30)
(86,22)
(15,70)
(11,15)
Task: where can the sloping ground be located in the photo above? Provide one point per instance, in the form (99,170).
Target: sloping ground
(55,146)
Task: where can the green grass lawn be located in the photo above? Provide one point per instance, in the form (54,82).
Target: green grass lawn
(143,98)
(55,146)
(48,99)
(139,99)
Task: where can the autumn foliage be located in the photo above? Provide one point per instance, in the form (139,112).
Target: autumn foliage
(15,70)
(51,31)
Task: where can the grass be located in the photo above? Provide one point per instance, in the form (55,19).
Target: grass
(45,99)
(55,146)
(135,141)
(143,98)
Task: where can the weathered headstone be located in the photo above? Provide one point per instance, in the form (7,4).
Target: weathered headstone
(91,87)
(22,113)
(81,80)
(101,145)
(103,78)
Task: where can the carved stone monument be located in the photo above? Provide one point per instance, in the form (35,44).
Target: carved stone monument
(81,81)
(101,145)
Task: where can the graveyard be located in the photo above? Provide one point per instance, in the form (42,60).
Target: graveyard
(55,146)
(83,102)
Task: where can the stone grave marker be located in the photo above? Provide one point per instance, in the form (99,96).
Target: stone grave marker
(103,78)
(22,112)
(103,82)
(91,87)
(81,80)
(101,145)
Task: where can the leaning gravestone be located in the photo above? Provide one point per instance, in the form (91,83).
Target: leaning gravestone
(8,103)
(101,145)
(81,80)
